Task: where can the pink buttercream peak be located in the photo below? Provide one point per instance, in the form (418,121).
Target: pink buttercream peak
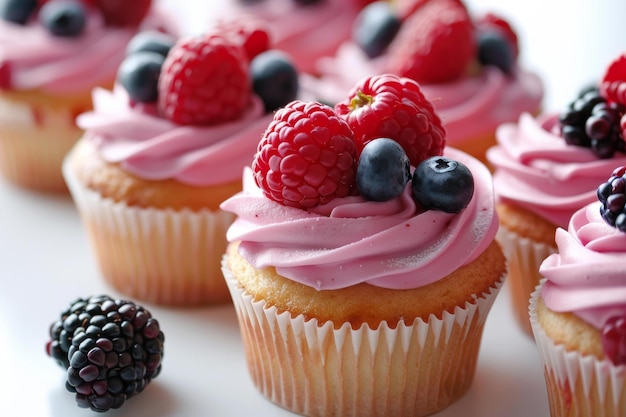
(349,241)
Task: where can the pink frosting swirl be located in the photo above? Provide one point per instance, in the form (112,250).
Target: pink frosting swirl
(350,240)
(588,274)
(537,170)
(155,148)
(304,32)
(65,65)
(468,107)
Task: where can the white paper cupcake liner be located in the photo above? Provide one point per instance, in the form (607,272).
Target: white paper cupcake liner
(34,139)
(578,386)
(324,369)
(162,256)
(524,256)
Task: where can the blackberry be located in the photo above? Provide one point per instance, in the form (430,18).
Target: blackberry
(592,122)
(110,348)
(612,195)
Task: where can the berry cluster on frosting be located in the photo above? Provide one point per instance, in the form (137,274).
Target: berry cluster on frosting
(68,17)
(434,41)
(595,119)
(312,153)
(110,349)
(208,79)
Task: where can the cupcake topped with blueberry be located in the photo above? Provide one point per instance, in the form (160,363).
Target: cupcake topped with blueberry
(467,66)
(578,313)
(168,145)
(358,225)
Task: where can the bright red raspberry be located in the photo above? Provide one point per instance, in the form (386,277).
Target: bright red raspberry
(123,12)
(249,31)
(613,84)
(435,44)
(204,80)
(614,339)
(495,22)
(306,157)
(388,106)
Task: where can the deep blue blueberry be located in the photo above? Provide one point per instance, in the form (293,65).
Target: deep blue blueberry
(383,170)
(375,27)
(274,79)
(494,50)
(139,74)
(63,18)
(440,183)
(151,41)
(17,11)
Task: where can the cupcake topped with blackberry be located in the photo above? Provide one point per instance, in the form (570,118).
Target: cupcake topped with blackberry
(578,313)
(549,166)
(52,54)
(357,225)
(166,146)
(466,65)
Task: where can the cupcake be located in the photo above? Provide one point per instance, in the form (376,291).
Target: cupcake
(362,289)
(305,29)
(51,56)
(468,67)
(159,154)
(578,312)
(546,168)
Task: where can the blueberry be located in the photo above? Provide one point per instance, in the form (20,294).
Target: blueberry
(383,170)
(63,17)
(139,74)
(441,183)
(151,41)
(495,50)
(17,11)
(274,79)
(375,27)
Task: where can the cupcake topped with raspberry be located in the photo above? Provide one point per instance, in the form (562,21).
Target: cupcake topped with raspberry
(358,226)
(306,29)
(167,145)
(467,66)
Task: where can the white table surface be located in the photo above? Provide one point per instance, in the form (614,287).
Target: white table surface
(45,262)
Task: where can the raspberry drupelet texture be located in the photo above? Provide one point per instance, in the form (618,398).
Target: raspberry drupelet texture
(252,33)
(110,348)
(204,80)
(306,156)
(388,106)
(614,339)
(613,85)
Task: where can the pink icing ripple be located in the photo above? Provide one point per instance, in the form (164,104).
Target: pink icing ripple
(154,148)
(352,240)
(535,169)
(588,274)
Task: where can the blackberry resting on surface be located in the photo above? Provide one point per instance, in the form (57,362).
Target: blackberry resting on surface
(111,349)
(612,195)
(593,122)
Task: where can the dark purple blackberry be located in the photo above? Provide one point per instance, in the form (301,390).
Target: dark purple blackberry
(592,122)
(111,349)
(612,195)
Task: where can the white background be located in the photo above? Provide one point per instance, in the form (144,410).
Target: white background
(45,262)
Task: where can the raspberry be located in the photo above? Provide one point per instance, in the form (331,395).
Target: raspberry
(406,8)
(204,80)
(388,106)
(251,33)
(435,44)
(123,12)
(306,157)
(491,21)
(111,349)
(613,85)
(614,339)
